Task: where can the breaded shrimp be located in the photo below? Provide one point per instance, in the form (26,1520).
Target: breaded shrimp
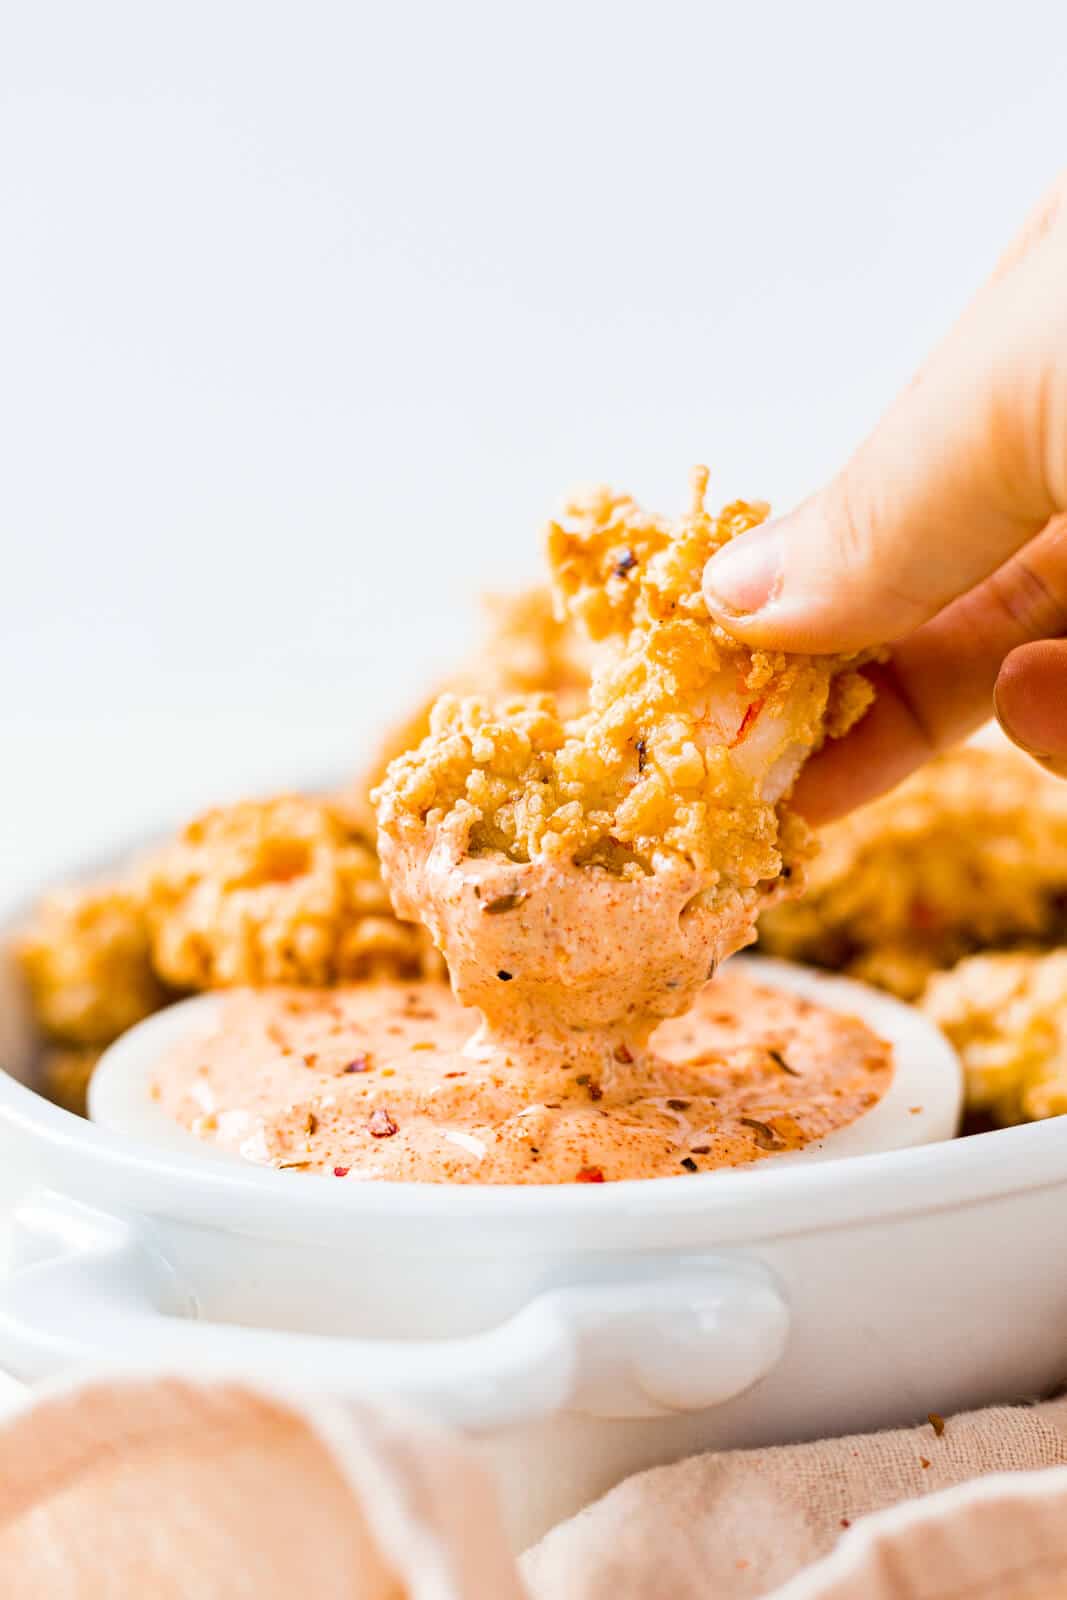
(275,891)
(600,865)
(969,853)
(1006,1014)
(86,958)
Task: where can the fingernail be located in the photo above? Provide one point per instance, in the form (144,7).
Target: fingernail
(745,574)
(1006,728)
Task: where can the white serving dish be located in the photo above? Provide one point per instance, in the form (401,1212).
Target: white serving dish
(581,1331)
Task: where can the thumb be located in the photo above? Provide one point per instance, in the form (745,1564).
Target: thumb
(968,465)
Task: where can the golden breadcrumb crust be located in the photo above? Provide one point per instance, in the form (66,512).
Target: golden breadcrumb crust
(277,891)
(970,852)
(654,768)
(1006,1014)
(87,963)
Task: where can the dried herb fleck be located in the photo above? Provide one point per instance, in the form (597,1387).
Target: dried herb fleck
(504,902)
(689,1164)
(505,977)
(679,1105)
(360,1063)
(624,564)
(765,1135)
(782,1064)
(642,754)
(589,1175)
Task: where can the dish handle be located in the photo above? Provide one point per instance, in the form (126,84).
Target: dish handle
(650,1338)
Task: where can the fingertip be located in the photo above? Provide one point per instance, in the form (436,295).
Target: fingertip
(743,577)
(1030,701)
(780,587)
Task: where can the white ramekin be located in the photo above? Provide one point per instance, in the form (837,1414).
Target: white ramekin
(582,1331)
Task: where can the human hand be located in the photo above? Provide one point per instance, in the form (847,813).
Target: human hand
(945,536)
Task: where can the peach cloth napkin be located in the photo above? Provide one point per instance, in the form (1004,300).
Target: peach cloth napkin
(182,1490)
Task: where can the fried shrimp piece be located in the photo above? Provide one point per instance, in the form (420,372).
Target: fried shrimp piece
(277,891)
(1006,1014)
(87,963)
(601,865)
(968,853)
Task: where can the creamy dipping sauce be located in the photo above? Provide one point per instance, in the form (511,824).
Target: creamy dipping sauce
(383,1082)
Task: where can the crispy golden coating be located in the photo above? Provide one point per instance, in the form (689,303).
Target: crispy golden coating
(969,853)
(65,1072)
(689,740)
(276,891)
(87,962)
(1006,1014)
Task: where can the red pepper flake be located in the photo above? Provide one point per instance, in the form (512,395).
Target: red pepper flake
(311,1123)
(624,563)
(700,1149)
(455,1074)
(923,1463)
(623,1055)
(782,1064)
(310,1059)
(589,1175)
(595,1092)
(341,1172)
(504,902)
(381,1125)
(937,1423)
(846,1522)
(360,1063)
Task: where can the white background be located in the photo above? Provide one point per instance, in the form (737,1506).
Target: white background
(309,313)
